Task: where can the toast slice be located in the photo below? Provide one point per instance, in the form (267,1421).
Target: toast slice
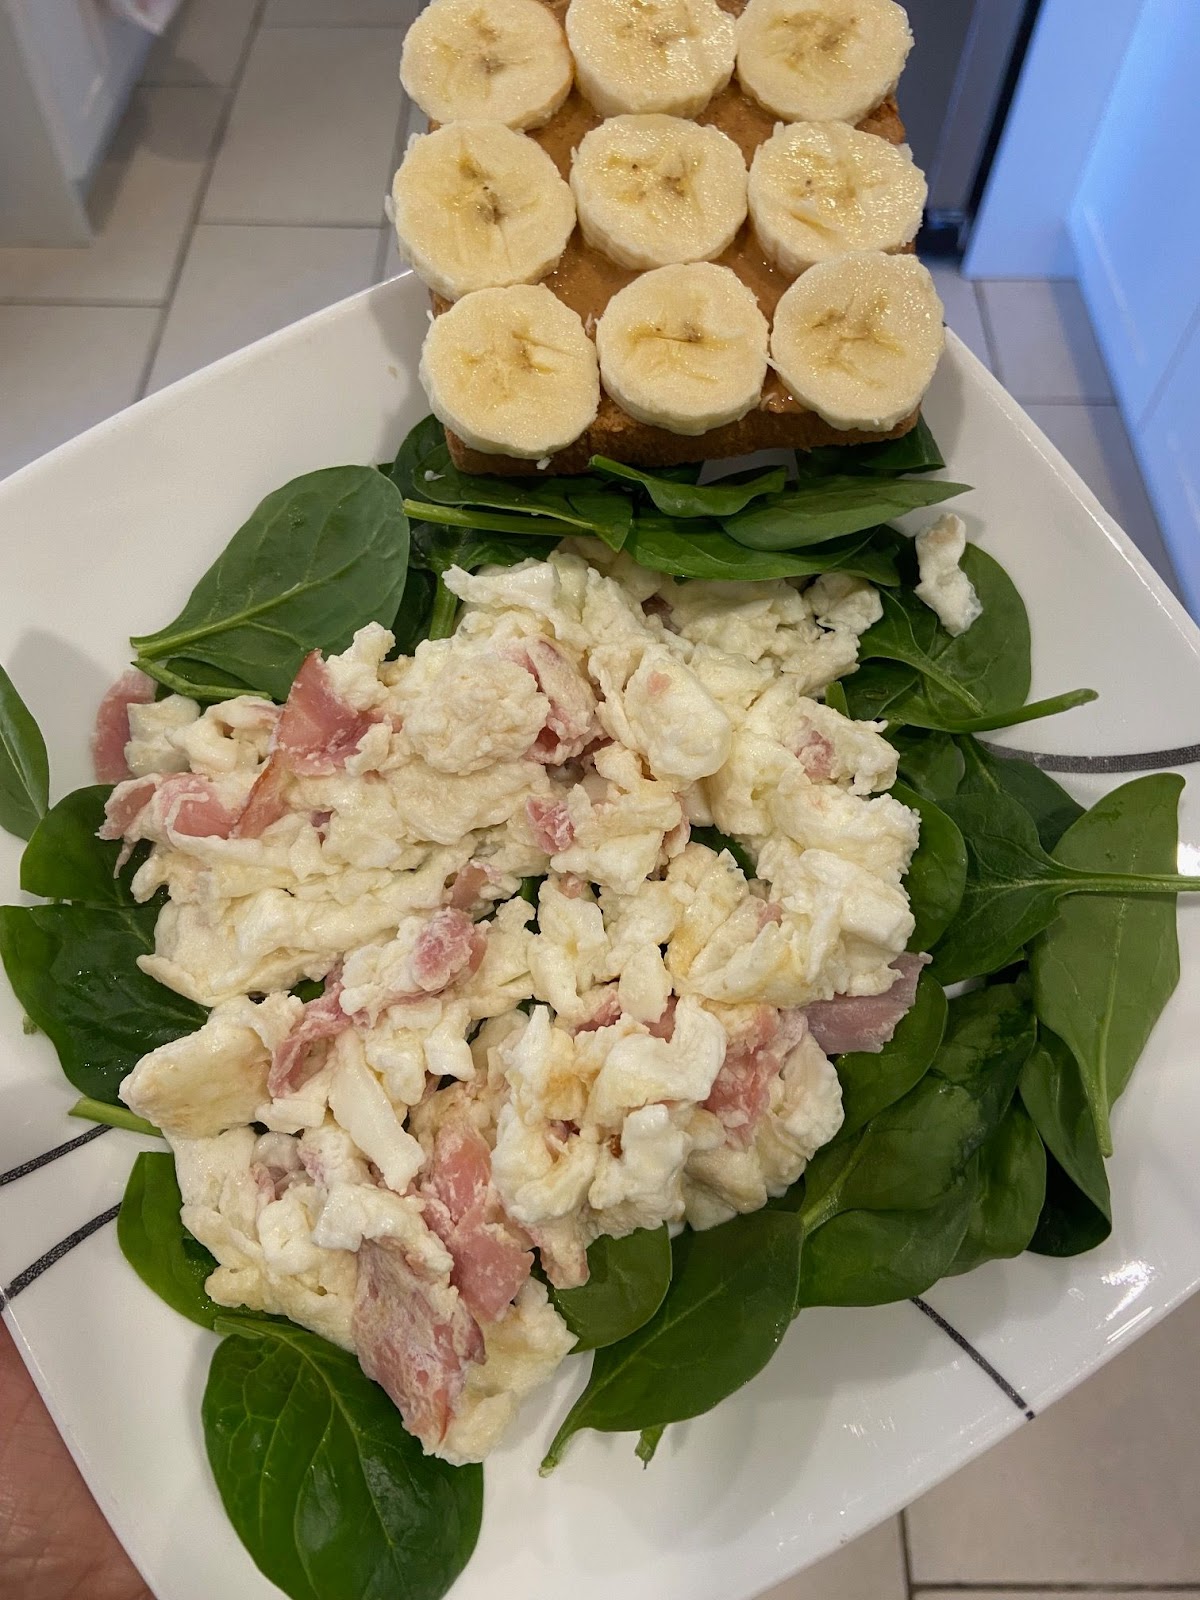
(586,280)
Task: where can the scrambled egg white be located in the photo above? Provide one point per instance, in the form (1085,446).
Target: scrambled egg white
(628,1051)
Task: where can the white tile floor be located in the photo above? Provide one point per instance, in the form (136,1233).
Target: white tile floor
(244,191)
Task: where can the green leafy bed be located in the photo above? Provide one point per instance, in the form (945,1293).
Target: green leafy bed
(978,1132)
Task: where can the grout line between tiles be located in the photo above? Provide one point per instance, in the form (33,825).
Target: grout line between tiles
(214,150)
(906,1553)
(86,305)
(262,222)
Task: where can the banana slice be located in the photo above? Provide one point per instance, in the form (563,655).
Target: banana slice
(477,206)
(822,189)
(650,55)
(821,60)
(857,339)
(684,348)
(511,371)
(497,60)
(655,190)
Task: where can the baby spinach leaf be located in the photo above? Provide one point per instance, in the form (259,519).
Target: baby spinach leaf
(1014,888)
(870,1082)
(731,1298)
(64,860)
(112,1117)
(915,451)
(912,707)
(696,549)
(412,620)
(648,1442)
(443,614)
(930,762)
(875,688)
(1047,802)
(937,873)
(718,841)
(907,632)
(1052,1090)
(871,1258)
(584,504)
(909,1155)
(24,765)
(835,697)
(332,1498)
(1105,968)
(1070,1224)
(158,1247)
(407,470)
(1010,1191)
(317,560)
(469,548)
(819,508)
(720,499)
(74,970)
(627,1281)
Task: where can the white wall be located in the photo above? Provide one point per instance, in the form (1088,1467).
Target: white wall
(1073,61)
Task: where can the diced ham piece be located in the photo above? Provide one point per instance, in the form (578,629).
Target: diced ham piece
(866,1022)
(562,1254)
(817,756)
(265,803)
(608,1011)
(319,729)
(294,1061)
(462,1209)
(414,1337)
(448,945)
(550,823)
(111,732)
(767,912)
(664,1028)
(466,889)
(124,805)
(741,1091)
(571,721)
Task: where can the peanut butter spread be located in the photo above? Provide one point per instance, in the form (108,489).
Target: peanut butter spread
(585,279)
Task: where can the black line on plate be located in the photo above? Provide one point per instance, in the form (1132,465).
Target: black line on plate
(1184,755)
(51,1155)
(34,1272)
(980,1361)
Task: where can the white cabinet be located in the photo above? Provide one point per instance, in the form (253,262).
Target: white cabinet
(66,70)
(1135,228)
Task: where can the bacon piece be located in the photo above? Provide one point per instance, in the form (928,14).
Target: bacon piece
(866,1022)
(319,729)
(294,1062)
(550,823)
(111,732)
(462,1208)
(265,803)
(448,945)
(414,1337)
(571,720)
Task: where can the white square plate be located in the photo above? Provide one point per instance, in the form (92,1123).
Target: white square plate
(861,1410)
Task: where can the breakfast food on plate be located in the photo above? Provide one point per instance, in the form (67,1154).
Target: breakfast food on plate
(684,348)
(480,207)
(653,191)
(821,60)
(650,55)
(822,189)
(858,339)
(498,60)
(511,369)
(655,143)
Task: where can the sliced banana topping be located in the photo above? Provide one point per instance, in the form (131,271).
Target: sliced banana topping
(821,60)
(499,60)
(684,348)
(655,190)
(857,339)
(511,371)
(650,55)
(477,206)
(822,189)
